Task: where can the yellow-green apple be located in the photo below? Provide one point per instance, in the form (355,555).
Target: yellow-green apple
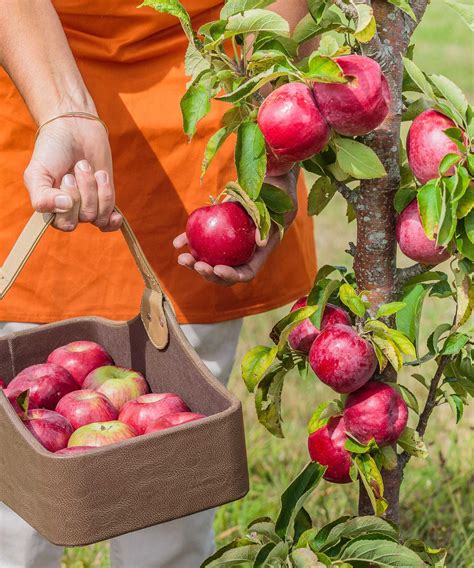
(171,420)
(117,383)
(100,434)
(326,446)
(80,358)
(145,410)
(375,411)
(47,384)
(50,428)
(75,450)
(84,406)
(342,359)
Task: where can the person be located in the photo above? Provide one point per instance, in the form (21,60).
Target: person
(108,59)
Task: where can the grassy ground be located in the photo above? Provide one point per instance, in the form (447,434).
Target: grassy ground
(438,494)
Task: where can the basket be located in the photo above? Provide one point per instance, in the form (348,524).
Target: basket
(79,499)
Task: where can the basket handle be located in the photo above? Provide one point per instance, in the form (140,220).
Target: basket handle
(152,310)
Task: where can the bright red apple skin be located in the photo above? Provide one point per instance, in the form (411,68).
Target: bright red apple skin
(375,411)
(427,145)
(304,334)
(74,450)
(292,124)
(80,358)
(326,446)
(359,106)
(145,410)
(221,234)
(50,428)
(342,359)
(46,382)
(118,384)
(100,434)
(276,167)
(171,420)
(412,238)
(84,406)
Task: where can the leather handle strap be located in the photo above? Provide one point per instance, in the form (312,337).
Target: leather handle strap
(152,311)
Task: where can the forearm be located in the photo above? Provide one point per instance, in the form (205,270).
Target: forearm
(293,11)
(35,53)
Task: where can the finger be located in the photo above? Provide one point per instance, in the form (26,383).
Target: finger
(186,259)
(115,222)
(207,272)
(44,197)
(88,189)
(180,241)
(258,239)
(67,221)
(106,199)
(236,275)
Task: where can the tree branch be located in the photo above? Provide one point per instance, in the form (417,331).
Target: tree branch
(430,404)
(352,250)
(406,274)
(349,194)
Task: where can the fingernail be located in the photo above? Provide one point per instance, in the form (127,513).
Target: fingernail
(84,166)
(70,180)
(115,218)
(63,202)
(102,177)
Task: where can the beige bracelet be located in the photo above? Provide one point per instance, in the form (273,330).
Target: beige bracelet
(78,114)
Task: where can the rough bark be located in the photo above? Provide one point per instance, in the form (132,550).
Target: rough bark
(375,260)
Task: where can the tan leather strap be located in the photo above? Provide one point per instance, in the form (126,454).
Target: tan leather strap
(152,312)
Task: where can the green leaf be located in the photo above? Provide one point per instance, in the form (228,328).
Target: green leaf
(268,401)
(323,69)
(254,209)
(357,160)
(389,458)
(409,398)
(23,401)
(355,447)
(380,553)
(305,558)
(265,220)
(451,93)
(390,350)
(366,25)
(276,199)
(454,343)
(434,337)
(319,296)
(405,6)
(408,318)
(469,226)
(389,309)
(294,497)
(373,482)
(320,195)
(322,414)
(403,198)
(415,108)
(250,158)
(447,162)
(349,298)
(255,364)
(232,7)
(213,146)
(466,11)
(411,442)
(240,549)
(174,8)
(264,527)
(429,204)
(196,103)
(418,77)
(256,20)
(271,552)
(456,404)
(194,62)
(402,342)
(303,523)
(357,527)
(295,316)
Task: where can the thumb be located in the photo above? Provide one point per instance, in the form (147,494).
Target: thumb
(44,197)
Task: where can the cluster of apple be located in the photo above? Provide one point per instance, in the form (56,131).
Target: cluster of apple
(346,362)
(79,400)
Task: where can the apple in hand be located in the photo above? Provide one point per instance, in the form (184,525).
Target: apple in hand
(80,358)
(427,145)
(171,420)
(50,428)
(292,124)
(100,434)
(117,383)
(46,382)
(326,446)
(413,241)
(302,336)
(84,406)
(375,411)
(360,105)
(145,410)
(75,450)
(342,359)
(223,233)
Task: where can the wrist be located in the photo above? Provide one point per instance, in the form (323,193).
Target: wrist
(77,101)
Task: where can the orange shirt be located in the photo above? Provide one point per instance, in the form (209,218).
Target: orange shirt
(132,63)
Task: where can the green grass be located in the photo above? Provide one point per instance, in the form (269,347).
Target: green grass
(437,494)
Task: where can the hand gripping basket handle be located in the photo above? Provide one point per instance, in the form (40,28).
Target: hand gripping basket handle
(152,311)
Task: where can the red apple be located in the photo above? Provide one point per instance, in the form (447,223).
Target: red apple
(85,406)
(342,359)
(292,124)
(221,234)
(276,167)
(326,446)
(145,410)
(359,106)
(117,383)
(50,428)
(80,358)
(46,382)
(376,411)
(75,450)
(427,145)
(303,335)
(100,434)
(413,241)
(171,420)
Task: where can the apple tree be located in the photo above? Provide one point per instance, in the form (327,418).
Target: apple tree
(338,114)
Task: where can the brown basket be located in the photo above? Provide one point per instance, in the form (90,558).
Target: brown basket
(81,499)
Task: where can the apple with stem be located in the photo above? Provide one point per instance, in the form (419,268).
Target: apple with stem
(84,406)
(100,434)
